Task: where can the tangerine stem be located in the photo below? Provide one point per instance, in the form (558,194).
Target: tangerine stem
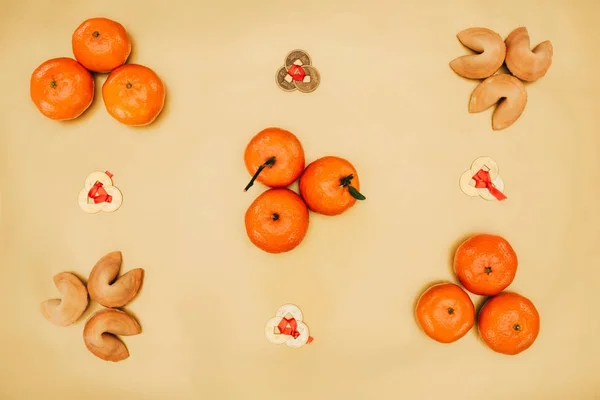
(269,163)
(345,182)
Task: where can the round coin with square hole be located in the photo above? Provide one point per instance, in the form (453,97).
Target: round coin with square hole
(272,332)
(302,339)
(311,80)
(467,184)
(486,163)
(284,80)
(298,57)
(290,309)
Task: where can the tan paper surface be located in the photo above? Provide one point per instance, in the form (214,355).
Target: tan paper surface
(389,103)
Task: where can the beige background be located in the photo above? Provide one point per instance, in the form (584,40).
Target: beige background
(390,104)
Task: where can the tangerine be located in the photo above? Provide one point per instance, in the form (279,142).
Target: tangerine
(61,88)
(445,312)
(133,95)
(330,185)
(274,157)
(509,323)
(277,220)
(101,44)
(485,264)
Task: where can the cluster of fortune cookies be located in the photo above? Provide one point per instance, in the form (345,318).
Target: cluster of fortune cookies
(106,287)
(62,88)
(505,90)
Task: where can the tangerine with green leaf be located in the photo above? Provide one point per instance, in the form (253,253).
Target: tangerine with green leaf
(330,185)
(274,157)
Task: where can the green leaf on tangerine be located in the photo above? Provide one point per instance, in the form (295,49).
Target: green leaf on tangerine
(355,193)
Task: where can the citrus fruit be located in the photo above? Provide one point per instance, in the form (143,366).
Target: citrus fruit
(485,264)
(274,157)
(445,312)
(133,95)
(61,88)
(277,220)
(101,44)
(509,323)
(330,185)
